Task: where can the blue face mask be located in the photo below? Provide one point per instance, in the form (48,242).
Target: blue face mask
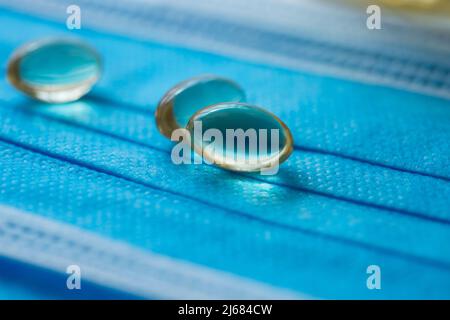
(93,185)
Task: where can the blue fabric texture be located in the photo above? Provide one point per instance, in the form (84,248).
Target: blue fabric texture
(368,182)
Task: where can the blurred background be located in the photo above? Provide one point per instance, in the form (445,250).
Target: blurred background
(91,183)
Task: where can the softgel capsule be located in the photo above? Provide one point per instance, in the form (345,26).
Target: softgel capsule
(54,70)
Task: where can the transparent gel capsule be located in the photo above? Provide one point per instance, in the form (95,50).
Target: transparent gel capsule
(54,70)
(240,137)
(183,100)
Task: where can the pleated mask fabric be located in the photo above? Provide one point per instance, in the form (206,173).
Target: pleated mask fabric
(368,182)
